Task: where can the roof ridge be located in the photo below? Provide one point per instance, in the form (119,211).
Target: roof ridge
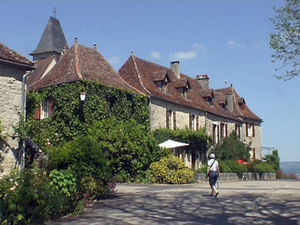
(77,66)
(139,75)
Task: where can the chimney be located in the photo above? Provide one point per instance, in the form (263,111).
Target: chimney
(175,67)
(203,81)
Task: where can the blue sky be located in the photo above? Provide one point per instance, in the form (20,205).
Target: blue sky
(228,40)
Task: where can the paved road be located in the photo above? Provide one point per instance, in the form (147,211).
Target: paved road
(248,202)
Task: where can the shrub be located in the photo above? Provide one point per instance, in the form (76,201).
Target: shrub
(231,148)
(28,198)
(202,169)
(234,167)
(224,168)
(63,181)
(263,168)
(130,147)
(171,170)
(273,159)
(86,158)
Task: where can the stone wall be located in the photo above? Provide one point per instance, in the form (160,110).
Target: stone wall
(10,108)
(233,177)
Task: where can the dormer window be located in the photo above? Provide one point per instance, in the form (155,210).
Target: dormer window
(182,86)
(161,80)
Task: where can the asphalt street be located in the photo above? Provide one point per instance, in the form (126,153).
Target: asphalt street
(246,202)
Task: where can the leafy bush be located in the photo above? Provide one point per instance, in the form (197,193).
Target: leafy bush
(63,181)
(273,159)
(224,168)
(202,169)
(85,157)
(234,167)
(130,147)
(171,170)
(263,168)
(28,197)
(231,148)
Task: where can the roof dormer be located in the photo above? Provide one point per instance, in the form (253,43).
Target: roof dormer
(161,79)
(182,86)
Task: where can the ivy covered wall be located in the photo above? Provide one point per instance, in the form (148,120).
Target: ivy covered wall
(72,117)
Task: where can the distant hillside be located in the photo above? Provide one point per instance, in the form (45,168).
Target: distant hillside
(290,167)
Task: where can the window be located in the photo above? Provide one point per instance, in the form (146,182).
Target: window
(197,123)
(183,92)
(192,122)
(222,132)
(168,118)
(215,133)
(45,110)
(250,130)
(162,85)
(238,130)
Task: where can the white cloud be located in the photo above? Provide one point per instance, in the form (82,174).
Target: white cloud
(156,55)
(234,44)
(114,60)
(183,55)
(200,47)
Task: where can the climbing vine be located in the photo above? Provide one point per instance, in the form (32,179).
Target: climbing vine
(72,117)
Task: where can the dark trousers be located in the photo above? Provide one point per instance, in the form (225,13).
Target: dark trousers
(213,177)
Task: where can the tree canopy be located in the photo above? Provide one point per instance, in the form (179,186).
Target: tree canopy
(285,41)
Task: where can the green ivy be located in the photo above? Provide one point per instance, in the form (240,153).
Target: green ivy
(72,118)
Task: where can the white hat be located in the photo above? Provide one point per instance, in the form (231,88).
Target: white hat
(212,155)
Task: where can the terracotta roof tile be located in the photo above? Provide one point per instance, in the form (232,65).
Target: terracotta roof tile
(82,63)
(8,54)
(139,73)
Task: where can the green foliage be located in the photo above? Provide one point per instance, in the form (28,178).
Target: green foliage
(72,118)
(273,159)
(171,170)
(202,170)
(231,148)
(234,167)
(130,147)
(198,141)
(224,168)
(263,168)
(28,197)
(63,181)
(85,158)
(285,41)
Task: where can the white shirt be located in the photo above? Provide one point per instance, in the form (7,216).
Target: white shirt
(215,166)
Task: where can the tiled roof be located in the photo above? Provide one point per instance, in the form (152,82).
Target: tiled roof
(140,74)
(82,63)
(240,108)
(12,56)
(53,38)
(41,67)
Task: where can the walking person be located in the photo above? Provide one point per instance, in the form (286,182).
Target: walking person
(213,174)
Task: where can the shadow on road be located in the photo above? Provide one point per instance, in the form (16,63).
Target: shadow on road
(192,207)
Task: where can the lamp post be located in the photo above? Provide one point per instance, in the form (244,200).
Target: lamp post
(82,95)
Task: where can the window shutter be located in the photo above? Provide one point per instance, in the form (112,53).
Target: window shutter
(51,107)
(226,131)
(197,123)
(174,120)
(246,129)
(253,130)
(167,119)
(37,114)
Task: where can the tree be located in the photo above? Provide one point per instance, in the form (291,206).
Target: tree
(285,40)
(231,148)
(273,159)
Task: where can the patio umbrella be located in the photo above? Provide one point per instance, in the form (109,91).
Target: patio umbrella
(172,144)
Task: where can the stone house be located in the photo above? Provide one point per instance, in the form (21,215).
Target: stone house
(13,71)
(178,101)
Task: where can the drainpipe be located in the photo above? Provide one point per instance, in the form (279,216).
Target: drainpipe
(23,113)
(24,89)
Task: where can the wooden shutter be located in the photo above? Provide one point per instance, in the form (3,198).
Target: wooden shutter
(253,130)
(167,119)
(174,120)
(37,114)
(197,122)
(246,129)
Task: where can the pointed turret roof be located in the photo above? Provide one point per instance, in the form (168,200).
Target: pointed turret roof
(53,39)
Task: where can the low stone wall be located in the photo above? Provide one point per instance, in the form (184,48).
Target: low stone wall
(233,177)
